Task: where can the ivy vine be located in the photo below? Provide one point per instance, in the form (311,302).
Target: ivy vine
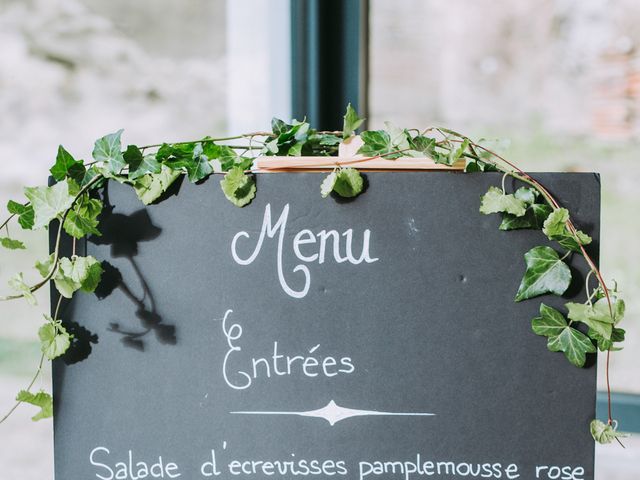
(71,205)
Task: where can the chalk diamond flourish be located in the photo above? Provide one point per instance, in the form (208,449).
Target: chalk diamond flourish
(333,413)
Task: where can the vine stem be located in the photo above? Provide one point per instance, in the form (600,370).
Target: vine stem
(38,370)
(525,177)
(33,381)
(6,222)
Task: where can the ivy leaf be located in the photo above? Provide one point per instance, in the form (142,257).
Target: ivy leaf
(326,187)
(78,273)
(617,335)
(54,339)
(556,224)
(377,143)
(534,218)
(573,343)
(226,157)
(48,202)
(25,214)
(40,399)
(287,139)
(555,228)
(278,127)
(604,433)
(550,323)
(151,186)
(67,166)
(526,194)
(45,266)
(348,183)
(399,137)
(422,144)
(456,154)
(545,273)
(597,316)
(199,167)
(17,284)
(83,219)
(561,337)
(351,122)
(570,243)
(238,187)
(496,201)
(478,165)
(87,271)
(108,150)
(11,244)
(132,158)
(138,163)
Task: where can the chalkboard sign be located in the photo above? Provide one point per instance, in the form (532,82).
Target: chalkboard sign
(298,337)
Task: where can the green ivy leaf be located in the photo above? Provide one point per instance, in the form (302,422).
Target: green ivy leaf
(83,219)
(45,266)
(349,183)
(562,337)
(287,139)
(527,195)
(496,201)
(11,244)
(478,165)
(550,323)
(597,316)
(200,167)
(133,158)
(67,166)
(278,127)
(151,186)
(48,202)
(555,228)
(77,273)
(108,150)
(570,243)
(377,143)
(41,399)
(139,164)
(54,339)
(457,153)
(399,137)
(556,224)
(604,433)
(238,187)
(422,145)
(221,156)
(25,214)
(573,343)
(617,336)
(534,218)
(545,273)
(351,122)
(326,187)
(17,284)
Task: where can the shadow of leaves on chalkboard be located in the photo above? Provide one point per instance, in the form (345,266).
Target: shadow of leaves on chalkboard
(82,339)
(123,233)
(146,313)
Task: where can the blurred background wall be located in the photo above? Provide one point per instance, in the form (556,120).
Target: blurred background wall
(559,78)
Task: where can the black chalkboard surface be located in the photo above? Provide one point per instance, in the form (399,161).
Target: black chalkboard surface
(306,338)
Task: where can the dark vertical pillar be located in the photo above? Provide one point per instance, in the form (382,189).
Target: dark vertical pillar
(329,59)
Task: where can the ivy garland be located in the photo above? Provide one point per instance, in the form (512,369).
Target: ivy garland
(150,170)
